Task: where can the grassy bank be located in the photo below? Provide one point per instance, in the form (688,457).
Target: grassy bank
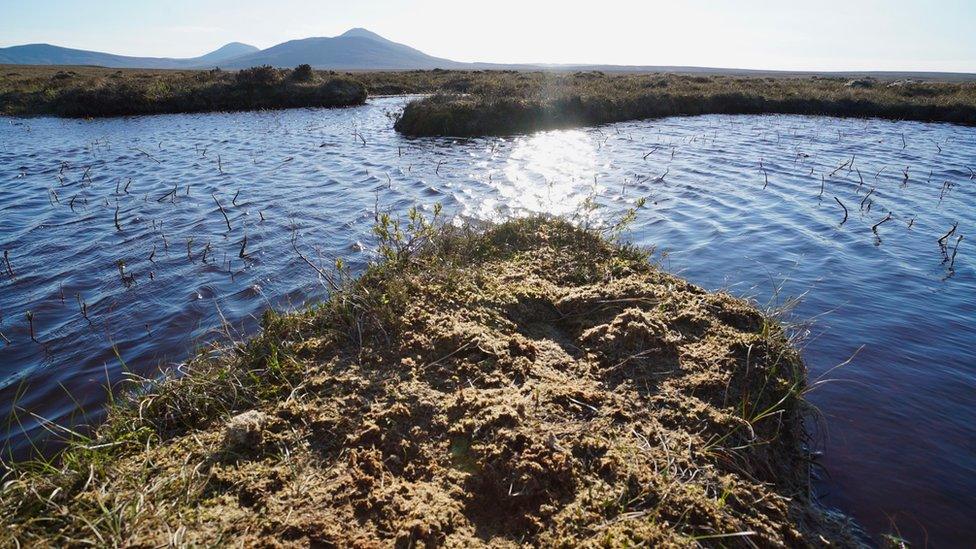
(470,103)
(533,383)
(94,92)
(508,103)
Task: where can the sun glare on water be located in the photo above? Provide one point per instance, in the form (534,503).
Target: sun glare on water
(551,172)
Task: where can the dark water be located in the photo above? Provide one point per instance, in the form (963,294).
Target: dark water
(900,422)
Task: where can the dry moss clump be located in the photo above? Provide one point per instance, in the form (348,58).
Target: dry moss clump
(530,384)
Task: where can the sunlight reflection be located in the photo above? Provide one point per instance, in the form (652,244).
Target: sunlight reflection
(551,172)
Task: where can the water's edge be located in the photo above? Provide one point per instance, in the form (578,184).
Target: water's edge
(737,199)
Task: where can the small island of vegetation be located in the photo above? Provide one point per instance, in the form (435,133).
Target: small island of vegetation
(509,102)
(530,383)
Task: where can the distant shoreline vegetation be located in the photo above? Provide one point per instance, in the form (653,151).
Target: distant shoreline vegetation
(475,103)
(88,92)
(510,103)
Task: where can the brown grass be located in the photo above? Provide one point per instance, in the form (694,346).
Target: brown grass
(472,104)
(479,102)
(94,92)
(531,384)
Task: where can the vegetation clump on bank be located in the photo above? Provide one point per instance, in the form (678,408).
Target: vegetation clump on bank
(524,102)
(93,92)
(530,383)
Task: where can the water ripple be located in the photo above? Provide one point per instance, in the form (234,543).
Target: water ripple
(745,203)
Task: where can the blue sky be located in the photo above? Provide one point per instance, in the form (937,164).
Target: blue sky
(812,35)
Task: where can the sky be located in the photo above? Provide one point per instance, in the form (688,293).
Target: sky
(822,35)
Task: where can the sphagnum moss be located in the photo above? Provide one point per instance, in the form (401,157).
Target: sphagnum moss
(530,383)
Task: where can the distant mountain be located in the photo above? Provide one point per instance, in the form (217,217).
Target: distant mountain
(229,51)
(359,32)
(352,50)
(360,49)
(46,54)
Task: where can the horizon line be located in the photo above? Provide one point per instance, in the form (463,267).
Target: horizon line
(507,65)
